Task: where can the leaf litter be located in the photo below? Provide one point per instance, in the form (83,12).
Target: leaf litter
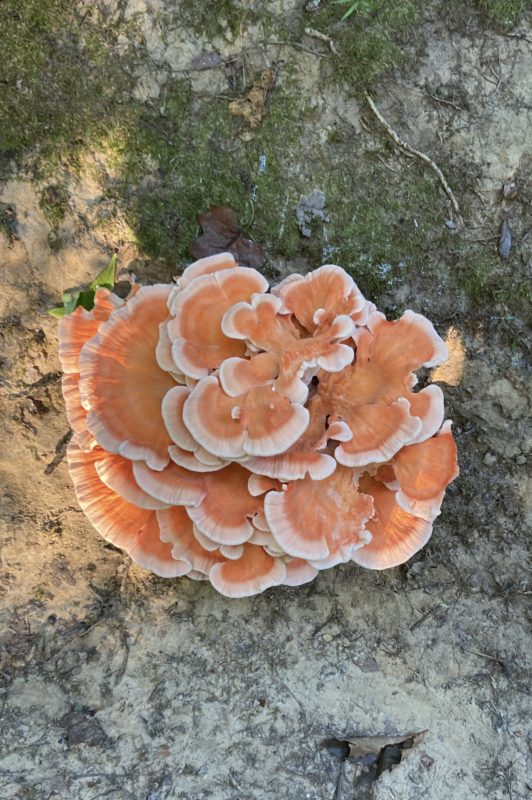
(372,755)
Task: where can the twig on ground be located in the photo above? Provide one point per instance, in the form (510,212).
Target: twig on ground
(486,655)
(445,102)
(412,150)
(299,46)
(314,34)
(123,666)
(125,575)
(428,94)
(521,36)
(425,616)
(60,452)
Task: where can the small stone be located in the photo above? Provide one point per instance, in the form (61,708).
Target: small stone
(32,375)
(509,190)
(327,637)
(206,60)
(83,729)
(311,209)
(505,240)
(54,240)
(521,460)
(489,459)
(369,664)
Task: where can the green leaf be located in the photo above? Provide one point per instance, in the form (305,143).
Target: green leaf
(70,301)
(356,6)
(86,299)
(58,312)
(107,277)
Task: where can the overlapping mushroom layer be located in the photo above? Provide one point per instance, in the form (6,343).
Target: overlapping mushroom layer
(249,437)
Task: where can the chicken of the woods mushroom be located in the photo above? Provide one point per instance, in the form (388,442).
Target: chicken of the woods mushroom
(250,437)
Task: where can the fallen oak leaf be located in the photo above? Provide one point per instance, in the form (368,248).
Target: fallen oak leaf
(221,234)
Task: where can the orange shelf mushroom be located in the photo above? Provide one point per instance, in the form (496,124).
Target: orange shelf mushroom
(250,437)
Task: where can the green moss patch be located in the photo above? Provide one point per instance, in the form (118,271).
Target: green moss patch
(61,76)
(213,17)
(371,41)
(54,203)
(503,13)
(174,164)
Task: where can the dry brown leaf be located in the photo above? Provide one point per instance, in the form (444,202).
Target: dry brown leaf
(222,234)
(252,107)
(363,747)
(373,755)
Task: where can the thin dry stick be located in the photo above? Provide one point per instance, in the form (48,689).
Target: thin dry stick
(314,34)
(412,150)
(299,46)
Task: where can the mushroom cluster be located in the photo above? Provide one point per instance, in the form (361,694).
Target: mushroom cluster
(253,437)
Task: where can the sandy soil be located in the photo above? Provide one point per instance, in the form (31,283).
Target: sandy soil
(117,684)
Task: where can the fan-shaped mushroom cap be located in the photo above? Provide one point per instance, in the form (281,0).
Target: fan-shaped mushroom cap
(295,464)
(424,471)
(396,535)
(374,397)
(260,422)
(253,573)
(198,343)
(117,366)
(123,524)
(116,472)
(427,405)
(258,484)
(232,552)
(298,572)
(304,458)
(150,552)
(76,414)
(260,523)
(227,507)
(77,328)
(318,298)
(205,266)
(190,461)
(73,332)
(261,324)
(378,432)
(163,354)
(238,375)
(177,530)
(187,452)
(172,485)
(172,411)
(316,519)
(406,344)
(263,538)
(204,541)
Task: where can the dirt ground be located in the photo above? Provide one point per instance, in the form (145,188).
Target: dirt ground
(118,684)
